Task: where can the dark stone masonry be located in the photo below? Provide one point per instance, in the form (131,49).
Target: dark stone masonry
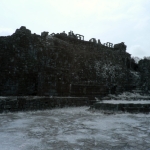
(66,65)
(28,103)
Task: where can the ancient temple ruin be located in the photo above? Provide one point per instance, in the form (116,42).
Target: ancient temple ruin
(60,64)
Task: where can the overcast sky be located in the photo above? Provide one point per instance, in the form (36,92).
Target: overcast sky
(112,21)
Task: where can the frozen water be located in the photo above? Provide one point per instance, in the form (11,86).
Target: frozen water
(74,128)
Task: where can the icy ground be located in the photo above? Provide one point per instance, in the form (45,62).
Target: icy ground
(74,129)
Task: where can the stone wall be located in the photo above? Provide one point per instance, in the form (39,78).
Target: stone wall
(25,103)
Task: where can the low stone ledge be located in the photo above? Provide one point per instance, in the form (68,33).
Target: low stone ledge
(24,103)
(125,106)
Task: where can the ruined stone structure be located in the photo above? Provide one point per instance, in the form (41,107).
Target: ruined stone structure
(62,65)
